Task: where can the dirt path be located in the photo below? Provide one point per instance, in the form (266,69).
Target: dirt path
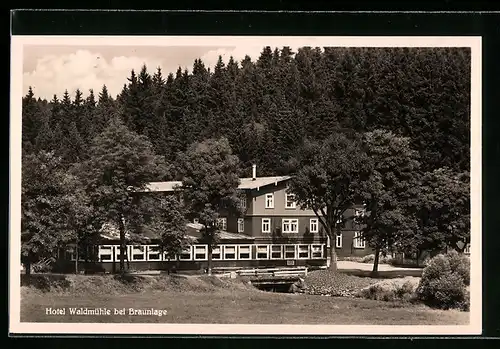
(343,265)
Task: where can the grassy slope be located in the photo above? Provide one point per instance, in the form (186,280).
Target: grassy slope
(207,301)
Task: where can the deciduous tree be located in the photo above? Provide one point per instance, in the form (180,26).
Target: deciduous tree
(210,186)
(120,163)
(443,211)
(389,192)
(326,179)
(44,208)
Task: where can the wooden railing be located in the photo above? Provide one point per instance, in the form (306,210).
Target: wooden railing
(263,272)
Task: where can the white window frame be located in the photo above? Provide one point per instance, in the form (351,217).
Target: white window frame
(185,251)
(166,258)
(289,222)
(271,251)
(268,222)
(269,200)
(358,242)
(249,252)
(314,249)
(111,253)
(235,253)
(217,249)
(150,251)
(117,252)
(314,222)
(257,252)
(294,251)
(72,255)
(222,223)
(306,247)
(204,251)
(243,202)
(290,204)
(241,225)
(132,252)
(338,240)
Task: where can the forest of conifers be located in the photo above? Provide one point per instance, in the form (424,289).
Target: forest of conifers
(268,106)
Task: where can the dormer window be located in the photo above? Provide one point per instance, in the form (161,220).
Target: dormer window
(290,201)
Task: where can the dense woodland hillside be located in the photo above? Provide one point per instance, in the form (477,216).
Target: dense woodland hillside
(268,107)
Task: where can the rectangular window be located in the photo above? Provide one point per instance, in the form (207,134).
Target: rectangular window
(229,252)
(303,251)
(216,253)
(316,251)
(262,251)
(276,252)
(186,254)
(222,223)
(72,254)
(117,253)
(266,225)
(243,202)
(338,241)
(290,252)
(138,253)
(290,225)
(358,240)
(200,252)
(154,253)
(270,200)
(167,257)
(313,225)
(241,225)
(290,201)
(244,252)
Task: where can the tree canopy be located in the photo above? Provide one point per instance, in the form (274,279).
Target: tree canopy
(210,185)
(328,174)
(322,114)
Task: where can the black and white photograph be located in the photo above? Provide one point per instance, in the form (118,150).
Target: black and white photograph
(245,185)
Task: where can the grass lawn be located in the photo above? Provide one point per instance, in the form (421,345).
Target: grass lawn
(233,306)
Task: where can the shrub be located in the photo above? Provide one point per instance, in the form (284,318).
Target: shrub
(444,282)
(389,292)
(368,259)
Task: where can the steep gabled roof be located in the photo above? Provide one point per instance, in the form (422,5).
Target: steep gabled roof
(245,184)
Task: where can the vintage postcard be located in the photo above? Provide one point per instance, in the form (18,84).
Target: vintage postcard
(245,185)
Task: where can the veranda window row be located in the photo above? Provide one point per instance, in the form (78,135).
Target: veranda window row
(152,253)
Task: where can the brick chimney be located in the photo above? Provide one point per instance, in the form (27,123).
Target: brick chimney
(254,172)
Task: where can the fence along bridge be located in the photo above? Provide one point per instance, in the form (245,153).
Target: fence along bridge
(270,279)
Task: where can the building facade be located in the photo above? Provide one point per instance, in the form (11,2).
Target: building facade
(273,231)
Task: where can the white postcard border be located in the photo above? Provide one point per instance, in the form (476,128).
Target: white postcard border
(17,44)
